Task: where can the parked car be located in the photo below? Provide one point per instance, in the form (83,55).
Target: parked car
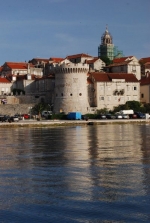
(4,118)
(26,116)
(132,116)
(125,116)
(118,116)
(110,116)
(139,114)
(14,118)
(101,116)
(84,117)
(45,114)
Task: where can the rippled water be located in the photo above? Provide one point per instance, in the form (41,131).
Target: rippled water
(90,174)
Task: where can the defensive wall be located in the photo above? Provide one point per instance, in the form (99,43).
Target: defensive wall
(71,88)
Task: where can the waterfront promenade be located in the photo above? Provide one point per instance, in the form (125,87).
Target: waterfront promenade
(31,122)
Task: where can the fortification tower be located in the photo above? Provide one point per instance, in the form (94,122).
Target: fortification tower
(71,88)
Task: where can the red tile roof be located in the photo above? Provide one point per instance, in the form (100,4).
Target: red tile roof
(145,80)
(107,77)
(4,80)
(99,77)
(56,59)
(78,56)
(122,59)
(144,60)
(91,61)
(18,65)
(119,64)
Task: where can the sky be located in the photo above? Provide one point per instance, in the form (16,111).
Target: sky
(58,28)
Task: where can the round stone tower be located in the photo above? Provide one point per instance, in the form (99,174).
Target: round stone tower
(71,88)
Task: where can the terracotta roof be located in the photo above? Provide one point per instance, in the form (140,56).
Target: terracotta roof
(78,55)
(100,77)
(91,61)
(119,64)
(4,80)
(107,77)
(18,65)
(122,59)
(128,77)
(56,60)
(144,60)
(145,80)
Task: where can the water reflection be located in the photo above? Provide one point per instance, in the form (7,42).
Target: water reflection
(79,173)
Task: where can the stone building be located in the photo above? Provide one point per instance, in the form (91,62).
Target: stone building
(71,88)
(5,89)
(126,65)
(107,90)
(145,66)
(145,88)
(95,63)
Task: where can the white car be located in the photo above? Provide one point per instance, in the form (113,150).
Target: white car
(118,116)
(125,116)
(46,113)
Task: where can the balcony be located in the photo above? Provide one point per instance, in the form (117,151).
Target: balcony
(119,92)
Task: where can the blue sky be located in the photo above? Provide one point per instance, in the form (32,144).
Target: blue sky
(57,28)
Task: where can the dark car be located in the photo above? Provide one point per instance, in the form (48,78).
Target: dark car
(13,118)
(101,116)
(132,116)
(4,118)
(110,116)
(139,114)
(84,117)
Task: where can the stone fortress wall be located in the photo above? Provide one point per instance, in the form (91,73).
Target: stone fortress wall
(71,88)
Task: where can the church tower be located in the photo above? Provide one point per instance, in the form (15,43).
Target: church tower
(106,48)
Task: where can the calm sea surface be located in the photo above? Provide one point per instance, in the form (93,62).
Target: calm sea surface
(90,174)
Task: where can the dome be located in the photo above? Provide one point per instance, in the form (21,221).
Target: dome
(106,37)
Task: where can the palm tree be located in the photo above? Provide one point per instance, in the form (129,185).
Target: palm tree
(38,108)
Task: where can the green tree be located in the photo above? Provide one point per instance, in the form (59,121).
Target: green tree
(102,111)
(38,108)
(134,105)
(106,60)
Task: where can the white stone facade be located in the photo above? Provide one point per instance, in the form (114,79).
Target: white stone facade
(111,92)
(128,65)
(71,88)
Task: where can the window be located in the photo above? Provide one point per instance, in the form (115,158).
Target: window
(133,68)
(70,94)
(80,94)
(142,95)
(134,88)
(101,98)
(61,94)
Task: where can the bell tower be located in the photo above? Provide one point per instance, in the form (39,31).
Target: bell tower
(106,48)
